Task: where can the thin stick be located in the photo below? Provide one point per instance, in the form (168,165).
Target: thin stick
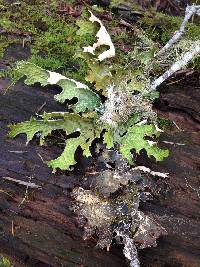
(145,169)
(189,12)
(31,185)
(184,60)
(26,193)
(12,229)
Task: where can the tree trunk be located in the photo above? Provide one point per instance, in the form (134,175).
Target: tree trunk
(37,227)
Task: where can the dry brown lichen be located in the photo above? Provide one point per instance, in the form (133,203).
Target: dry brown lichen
(117,214)
(110,209)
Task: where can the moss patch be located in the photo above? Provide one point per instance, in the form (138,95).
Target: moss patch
(56,40)
(4,262)
(52,38)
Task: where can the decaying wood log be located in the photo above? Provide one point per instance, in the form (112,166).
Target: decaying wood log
(37,227)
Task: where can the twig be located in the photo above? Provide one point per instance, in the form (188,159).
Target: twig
(177,81)
(145,169)
(184,58)
(31,185)
(17,33)
(43,161)
(177,126)
(12,229)
(41,107)
(3,191)
(17,151)
(181,63)
(26,194)
(189,12)
(172,143)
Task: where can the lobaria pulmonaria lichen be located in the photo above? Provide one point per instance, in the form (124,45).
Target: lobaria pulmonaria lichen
(113,107)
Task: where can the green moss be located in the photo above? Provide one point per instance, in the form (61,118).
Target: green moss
(53,39)
(98,9)
(123,36)
(4,262)
(164,124)
(4,41)
(128,3)
(117,2)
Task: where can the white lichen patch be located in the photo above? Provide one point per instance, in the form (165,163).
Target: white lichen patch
(130,251)
(147,170)
(103,38)
(121,103)
(98,212)
(55,77)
